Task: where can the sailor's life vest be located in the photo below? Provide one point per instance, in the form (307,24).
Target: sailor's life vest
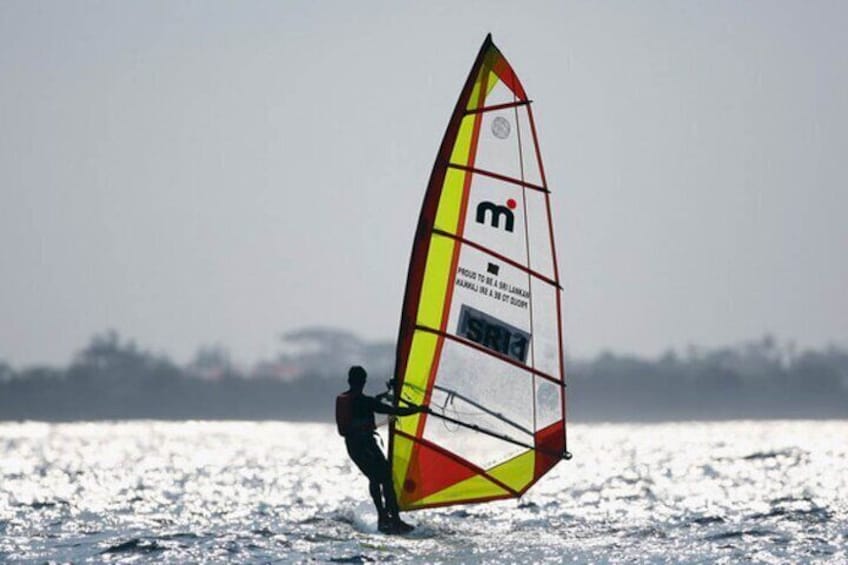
(344,413)
(346,421)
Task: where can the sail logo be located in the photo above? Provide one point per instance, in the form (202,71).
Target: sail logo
(491,333)
(494,213)
(500,127)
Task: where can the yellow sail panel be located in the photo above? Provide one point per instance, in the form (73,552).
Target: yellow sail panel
(421,358)
(462,147)
(447,216)
(401,454)
(435,285)
(516,473)
(477,487)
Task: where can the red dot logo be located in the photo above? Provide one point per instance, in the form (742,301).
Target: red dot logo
(511,203)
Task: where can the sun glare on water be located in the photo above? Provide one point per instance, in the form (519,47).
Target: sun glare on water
(177,492)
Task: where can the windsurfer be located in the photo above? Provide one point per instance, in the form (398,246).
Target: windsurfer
(355,420)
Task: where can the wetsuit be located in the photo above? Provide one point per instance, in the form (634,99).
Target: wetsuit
(360,440)
(362,447)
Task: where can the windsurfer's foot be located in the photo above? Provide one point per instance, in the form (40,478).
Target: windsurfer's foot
(384,524)
(402,527)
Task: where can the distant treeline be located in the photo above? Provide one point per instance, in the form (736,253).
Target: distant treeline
(113,379)
(754,380)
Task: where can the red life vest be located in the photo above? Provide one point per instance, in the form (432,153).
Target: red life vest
(344,413)
(346,421)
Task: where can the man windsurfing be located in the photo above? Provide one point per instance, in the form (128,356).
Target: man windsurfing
(355,420)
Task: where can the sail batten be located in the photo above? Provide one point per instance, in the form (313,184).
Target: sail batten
(503,106)
(494,175)
(480,338)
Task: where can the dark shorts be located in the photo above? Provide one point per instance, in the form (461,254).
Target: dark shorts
(368,456)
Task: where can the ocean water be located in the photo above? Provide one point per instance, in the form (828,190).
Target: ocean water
(769,492)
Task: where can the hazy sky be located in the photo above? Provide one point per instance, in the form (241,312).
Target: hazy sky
(198,172)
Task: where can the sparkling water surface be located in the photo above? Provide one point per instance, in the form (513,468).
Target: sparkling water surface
(771,492)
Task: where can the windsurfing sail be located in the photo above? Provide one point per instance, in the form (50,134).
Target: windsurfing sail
(480,340)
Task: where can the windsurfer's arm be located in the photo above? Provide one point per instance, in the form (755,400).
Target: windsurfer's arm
(381,408)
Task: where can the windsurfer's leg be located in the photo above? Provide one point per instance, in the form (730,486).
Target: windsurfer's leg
(362,454)
(384,520)
(391,499)
(392,508)
(374,489)
(373,464)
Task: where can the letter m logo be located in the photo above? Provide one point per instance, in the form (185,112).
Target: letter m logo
(497,212)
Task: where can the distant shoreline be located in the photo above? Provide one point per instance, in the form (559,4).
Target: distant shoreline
(112,379)
(599,421)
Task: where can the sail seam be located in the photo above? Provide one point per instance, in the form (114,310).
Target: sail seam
(527,251)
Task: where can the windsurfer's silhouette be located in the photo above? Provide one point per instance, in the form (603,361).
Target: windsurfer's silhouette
(355,419)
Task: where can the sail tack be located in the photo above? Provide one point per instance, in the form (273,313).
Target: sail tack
(480,338)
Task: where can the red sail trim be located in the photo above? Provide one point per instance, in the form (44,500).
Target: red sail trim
(495,354)
(556,268)
(504,178)
(497,255)
(494,107)
(548,441)
(477,470)
(504,71)
(561,365)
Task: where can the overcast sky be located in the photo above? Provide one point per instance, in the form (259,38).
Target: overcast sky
(198,172)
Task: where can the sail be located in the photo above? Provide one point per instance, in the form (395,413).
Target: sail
(480,338)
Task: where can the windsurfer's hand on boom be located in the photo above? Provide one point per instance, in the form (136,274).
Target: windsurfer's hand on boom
(389,395)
